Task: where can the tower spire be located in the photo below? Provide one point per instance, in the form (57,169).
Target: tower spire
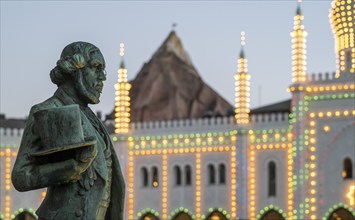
(122,104)
(341,17)
(242,87)
(298,35)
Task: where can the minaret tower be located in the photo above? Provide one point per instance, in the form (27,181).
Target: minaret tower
(342,17)
(122,104)
(298,35)
(242,87)
(303,206)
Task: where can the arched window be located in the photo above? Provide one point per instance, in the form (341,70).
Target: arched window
(149,216)
(347,169)
(271,179)
(155,177)
(187,175)
(25,215)
(216,215)
(144,175)
(177,172)
(341,213)
(272,214)
(222,173)
(211,174)
(182,216)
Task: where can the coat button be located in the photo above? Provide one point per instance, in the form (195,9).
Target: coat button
(78,213)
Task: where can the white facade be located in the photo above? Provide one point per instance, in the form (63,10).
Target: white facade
(295,163)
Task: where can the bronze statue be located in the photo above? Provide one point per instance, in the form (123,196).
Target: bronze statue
(67,149)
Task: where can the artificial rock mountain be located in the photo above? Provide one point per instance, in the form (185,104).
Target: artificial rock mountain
(168,87)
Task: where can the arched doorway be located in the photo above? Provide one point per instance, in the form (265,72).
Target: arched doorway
(182,216)
(272,215)
(341,214)
(149,216)
(216,216)
(25,215)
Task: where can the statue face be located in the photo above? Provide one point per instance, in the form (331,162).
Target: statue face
(89,83)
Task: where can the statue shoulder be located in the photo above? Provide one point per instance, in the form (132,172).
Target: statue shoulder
(52,102)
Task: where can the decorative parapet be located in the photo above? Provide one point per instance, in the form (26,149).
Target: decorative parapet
(11,132)
(321,77)
(269,118)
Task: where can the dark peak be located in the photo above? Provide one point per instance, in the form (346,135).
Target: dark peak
(298,11)
(173,44)
(241,54)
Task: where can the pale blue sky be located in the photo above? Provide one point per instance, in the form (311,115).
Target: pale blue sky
(33,33)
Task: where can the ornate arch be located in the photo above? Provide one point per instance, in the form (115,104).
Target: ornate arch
(178,211)
(147,211)
(211,211)
(324,155)
(22,210)
(269,208)
(336,207)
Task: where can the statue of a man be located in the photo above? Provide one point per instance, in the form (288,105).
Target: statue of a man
(83,180)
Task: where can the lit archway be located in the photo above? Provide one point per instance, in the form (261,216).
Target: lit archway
(272,215)
(24,214)
(182,216)
(271,212)
(339,210)
(148,214)
(216,215)
(341,213)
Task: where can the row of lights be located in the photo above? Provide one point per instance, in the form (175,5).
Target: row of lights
(186,142)
(8,159)
(252,177)
(182,137)
(198,185)
(130,205)
(321,89)
(180,151)
(268,138)
(165,187)
(328,96)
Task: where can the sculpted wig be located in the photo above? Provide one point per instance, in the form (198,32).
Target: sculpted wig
(74,57)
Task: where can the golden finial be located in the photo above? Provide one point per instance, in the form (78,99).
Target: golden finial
(121,49)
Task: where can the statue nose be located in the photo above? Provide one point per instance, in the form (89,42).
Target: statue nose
(102,75)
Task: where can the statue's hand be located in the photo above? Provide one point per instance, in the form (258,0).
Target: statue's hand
(84,158)
(87,154)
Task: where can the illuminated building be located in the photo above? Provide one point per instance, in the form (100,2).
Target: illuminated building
(289,160)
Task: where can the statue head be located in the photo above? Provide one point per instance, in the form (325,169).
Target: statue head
(82,66)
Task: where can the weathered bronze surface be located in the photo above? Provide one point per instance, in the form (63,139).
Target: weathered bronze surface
(67,149)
